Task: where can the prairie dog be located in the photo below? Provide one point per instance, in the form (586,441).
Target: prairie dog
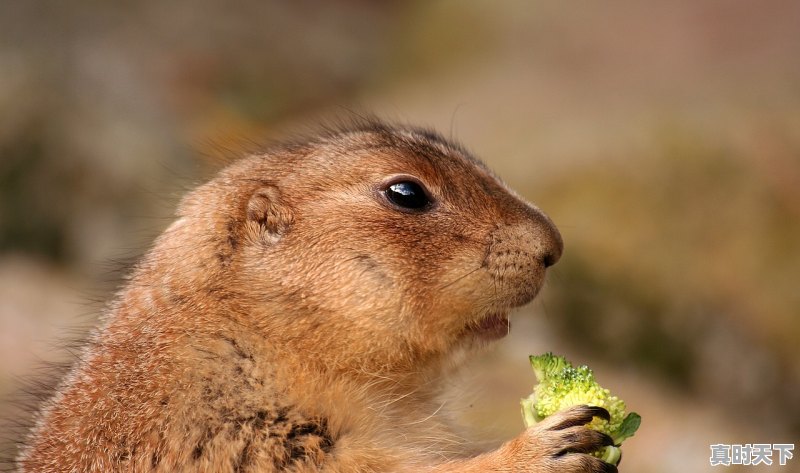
(299,314)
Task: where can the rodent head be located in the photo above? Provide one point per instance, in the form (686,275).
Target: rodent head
(382,246)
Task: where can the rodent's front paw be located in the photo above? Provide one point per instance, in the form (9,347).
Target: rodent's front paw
(562,443)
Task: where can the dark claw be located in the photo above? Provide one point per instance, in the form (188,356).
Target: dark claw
(609,468)
(587,463)
(583,440)
(577,415)
(599,412)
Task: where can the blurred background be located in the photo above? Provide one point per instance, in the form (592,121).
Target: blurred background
(662,137)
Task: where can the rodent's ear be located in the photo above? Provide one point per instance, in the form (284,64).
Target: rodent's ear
(268,218)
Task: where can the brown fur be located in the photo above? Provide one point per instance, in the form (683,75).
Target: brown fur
(291,319)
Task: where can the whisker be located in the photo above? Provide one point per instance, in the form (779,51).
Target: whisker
(430,416)
(459,278)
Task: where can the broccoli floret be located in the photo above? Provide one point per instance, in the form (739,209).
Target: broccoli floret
(562,385)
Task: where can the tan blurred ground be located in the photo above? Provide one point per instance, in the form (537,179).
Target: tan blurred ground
(662,137)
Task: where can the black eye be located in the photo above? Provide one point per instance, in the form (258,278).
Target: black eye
(408,195)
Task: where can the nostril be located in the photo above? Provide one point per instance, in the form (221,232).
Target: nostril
(553,252)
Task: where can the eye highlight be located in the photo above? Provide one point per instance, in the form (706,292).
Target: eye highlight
(408,195)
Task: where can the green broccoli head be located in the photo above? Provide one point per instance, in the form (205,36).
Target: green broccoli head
(562,385)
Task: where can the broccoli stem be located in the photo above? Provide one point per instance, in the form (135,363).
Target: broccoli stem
(611,454)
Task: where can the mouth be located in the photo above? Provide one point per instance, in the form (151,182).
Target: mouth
(492,327)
